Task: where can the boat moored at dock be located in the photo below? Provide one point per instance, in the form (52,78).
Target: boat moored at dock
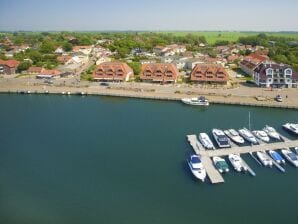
(221,139)
(196,166)
(234,136)
(262,135)
(237,163)
(291,127)
(265,160)
(220,164)
(247,135)
(200,101)
(290,156)
(206,141)
(276,157)
(271,132)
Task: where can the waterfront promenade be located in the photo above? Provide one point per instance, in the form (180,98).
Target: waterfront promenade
(238,96)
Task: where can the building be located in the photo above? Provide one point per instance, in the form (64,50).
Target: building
(63,59)
(8,67)
(209,73)
(158,72)
(112,71)
(251,62)
(169,50)
(86,50)
(48,74)
(33,70)
(275,75)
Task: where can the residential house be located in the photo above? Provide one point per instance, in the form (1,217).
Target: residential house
(209,73)
(112,71)
(59,50)
(251,62)
(102,60)
(275,75)
(169,50)
(86,50)
(48,74)
(159,72)
(8,67)
(33,70)
(64,59)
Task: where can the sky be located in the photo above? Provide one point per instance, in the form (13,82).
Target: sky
(153,15)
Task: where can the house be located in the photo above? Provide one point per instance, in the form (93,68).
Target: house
(34,70)
(112,71)
(59,50)
(169,50)
(48,74)
(159,72)
(86,50)
(275,75)
(148,61)
(102,60)
(251,62)
(209,73)
(63,59)
(8,67)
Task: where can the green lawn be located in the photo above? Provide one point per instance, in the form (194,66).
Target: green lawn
(212,37)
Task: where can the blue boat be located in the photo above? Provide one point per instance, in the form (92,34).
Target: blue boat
(276,157)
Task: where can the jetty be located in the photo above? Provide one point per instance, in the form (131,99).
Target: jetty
(206,155)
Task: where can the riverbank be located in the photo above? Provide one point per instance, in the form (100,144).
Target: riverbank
(215,96)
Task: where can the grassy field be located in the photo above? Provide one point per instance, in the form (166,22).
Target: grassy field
(212,37)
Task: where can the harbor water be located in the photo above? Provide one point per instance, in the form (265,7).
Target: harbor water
(71,159)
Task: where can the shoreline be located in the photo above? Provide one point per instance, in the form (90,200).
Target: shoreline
(85,91)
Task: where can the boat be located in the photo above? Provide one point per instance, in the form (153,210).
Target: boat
(221,139)
(262,135)
(63,93)
(206,141)
(278,98)
(291,127)
(247,135)
(276,157)
(271,132)
(265,160)
(68,93)
(234,136)
(236,162)
(290,156)
(296,150)
(200,101)
(220,164)
(196,167)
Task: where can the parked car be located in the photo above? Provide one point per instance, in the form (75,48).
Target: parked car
(104,84)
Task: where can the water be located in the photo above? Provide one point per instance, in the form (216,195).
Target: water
(111,160)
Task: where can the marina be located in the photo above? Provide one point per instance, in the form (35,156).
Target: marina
(262,150)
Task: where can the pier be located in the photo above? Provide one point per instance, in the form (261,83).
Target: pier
(206,155)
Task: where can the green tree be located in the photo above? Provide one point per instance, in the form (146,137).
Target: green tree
(67,47)
(24,66)
(136,67)
(47,47)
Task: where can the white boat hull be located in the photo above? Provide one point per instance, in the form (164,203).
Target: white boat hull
(201,175)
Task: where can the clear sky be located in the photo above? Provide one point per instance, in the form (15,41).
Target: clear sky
(256,15)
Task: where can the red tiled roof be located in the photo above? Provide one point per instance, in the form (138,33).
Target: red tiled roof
(34,69)
(50,72)
(10,63)
(209,73)
(159,72)
(112,71)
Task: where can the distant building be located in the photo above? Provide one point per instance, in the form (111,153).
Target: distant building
(86,50)
(33,70)
(169,50)
(8,67)
(59,50)
(275,75)
(112,71)
(63,59)
(158,72)
(251,62)
(48,73)
(209,73)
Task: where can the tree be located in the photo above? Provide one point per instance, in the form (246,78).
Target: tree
(24,66)
(67,47)
(47,47)
(136,67)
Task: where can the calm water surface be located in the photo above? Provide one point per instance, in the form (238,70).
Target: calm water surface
(110,160)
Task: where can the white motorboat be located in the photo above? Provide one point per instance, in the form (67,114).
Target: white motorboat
(200,101)
(206,141)
(276,157)
(265,160)
(220,164)
(296,150)
(234,136)
(221,139)
(262,135)
(271,132)
(237,163)
(196,167)
(290,156)
(247,135)
(291,127)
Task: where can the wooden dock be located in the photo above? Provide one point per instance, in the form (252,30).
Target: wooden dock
(213,174)
(206,155)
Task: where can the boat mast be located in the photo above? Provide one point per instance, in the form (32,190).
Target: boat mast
(249,121)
